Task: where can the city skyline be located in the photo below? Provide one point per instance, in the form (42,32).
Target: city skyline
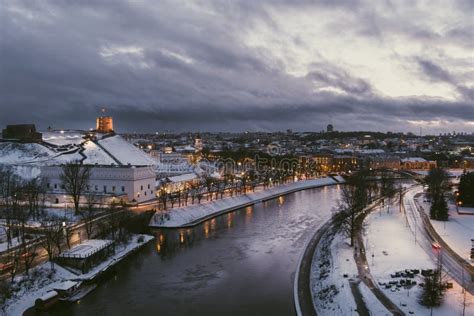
(213,66)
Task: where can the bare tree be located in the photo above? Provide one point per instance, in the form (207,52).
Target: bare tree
(52,230)
(28,255)
(75,179)
(353,202)
(209,183)
(9,184)
(163,197)
(173,197)
(13,262)
(387,186)
(34,193)
(87,213)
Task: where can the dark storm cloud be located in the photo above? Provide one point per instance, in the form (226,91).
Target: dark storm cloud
(436,73)
(162,65)
(332,76)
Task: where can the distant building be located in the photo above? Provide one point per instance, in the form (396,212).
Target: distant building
(417,163)
(198,143)
(384,162)
(468,163)
(104,124)
(22,132)
(345,163)
(330,128)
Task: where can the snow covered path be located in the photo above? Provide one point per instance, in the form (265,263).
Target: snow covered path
(194,214)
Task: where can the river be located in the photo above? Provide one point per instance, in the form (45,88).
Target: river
(240,263)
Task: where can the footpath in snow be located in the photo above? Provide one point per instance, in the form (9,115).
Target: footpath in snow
(334,282)
(43,279)
(193,214)
(391,248)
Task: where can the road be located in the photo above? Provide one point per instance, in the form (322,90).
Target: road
(456,267)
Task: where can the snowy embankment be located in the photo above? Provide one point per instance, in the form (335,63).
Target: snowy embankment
(194,214)
(332,267)
(390,247)
(43,279)
(332,271)
(457,232)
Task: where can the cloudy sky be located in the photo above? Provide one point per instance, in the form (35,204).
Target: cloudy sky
(239,65)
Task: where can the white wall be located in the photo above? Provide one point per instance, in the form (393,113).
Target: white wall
(138,183)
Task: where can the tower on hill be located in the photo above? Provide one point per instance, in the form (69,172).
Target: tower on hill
(104,124)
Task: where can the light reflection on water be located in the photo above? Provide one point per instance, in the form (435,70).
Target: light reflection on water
(240,263)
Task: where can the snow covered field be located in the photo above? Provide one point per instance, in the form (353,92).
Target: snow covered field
(393,245)
(193,213)
(45,280)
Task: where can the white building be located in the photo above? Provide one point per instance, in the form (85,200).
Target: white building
(123,183)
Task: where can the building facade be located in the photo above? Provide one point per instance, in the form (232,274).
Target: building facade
(417,163)
(134,184)
(104,124)
(384,162)
(22,132)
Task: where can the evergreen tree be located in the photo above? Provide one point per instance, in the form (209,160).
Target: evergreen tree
(466,189)
(438,183)
(433,291)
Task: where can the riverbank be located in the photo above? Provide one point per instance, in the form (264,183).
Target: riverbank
(192,215)
(42,279)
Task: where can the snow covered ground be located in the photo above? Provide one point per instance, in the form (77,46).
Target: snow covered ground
(63,138)
(4,244)
(192,213)
(372,302)
(28,290)
(393,245)
(457,232)
(16,153)
(331,274)
(330,289)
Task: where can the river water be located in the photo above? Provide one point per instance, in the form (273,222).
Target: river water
(240,263)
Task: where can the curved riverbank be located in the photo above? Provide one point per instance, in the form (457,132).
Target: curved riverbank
(239,263)
(193,215)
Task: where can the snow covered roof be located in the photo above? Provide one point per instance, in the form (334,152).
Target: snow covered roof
(26,158)
(371,151)
(96,155)
(66,285)
(183,177)
(125,152)
(414,159)
(86,248)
